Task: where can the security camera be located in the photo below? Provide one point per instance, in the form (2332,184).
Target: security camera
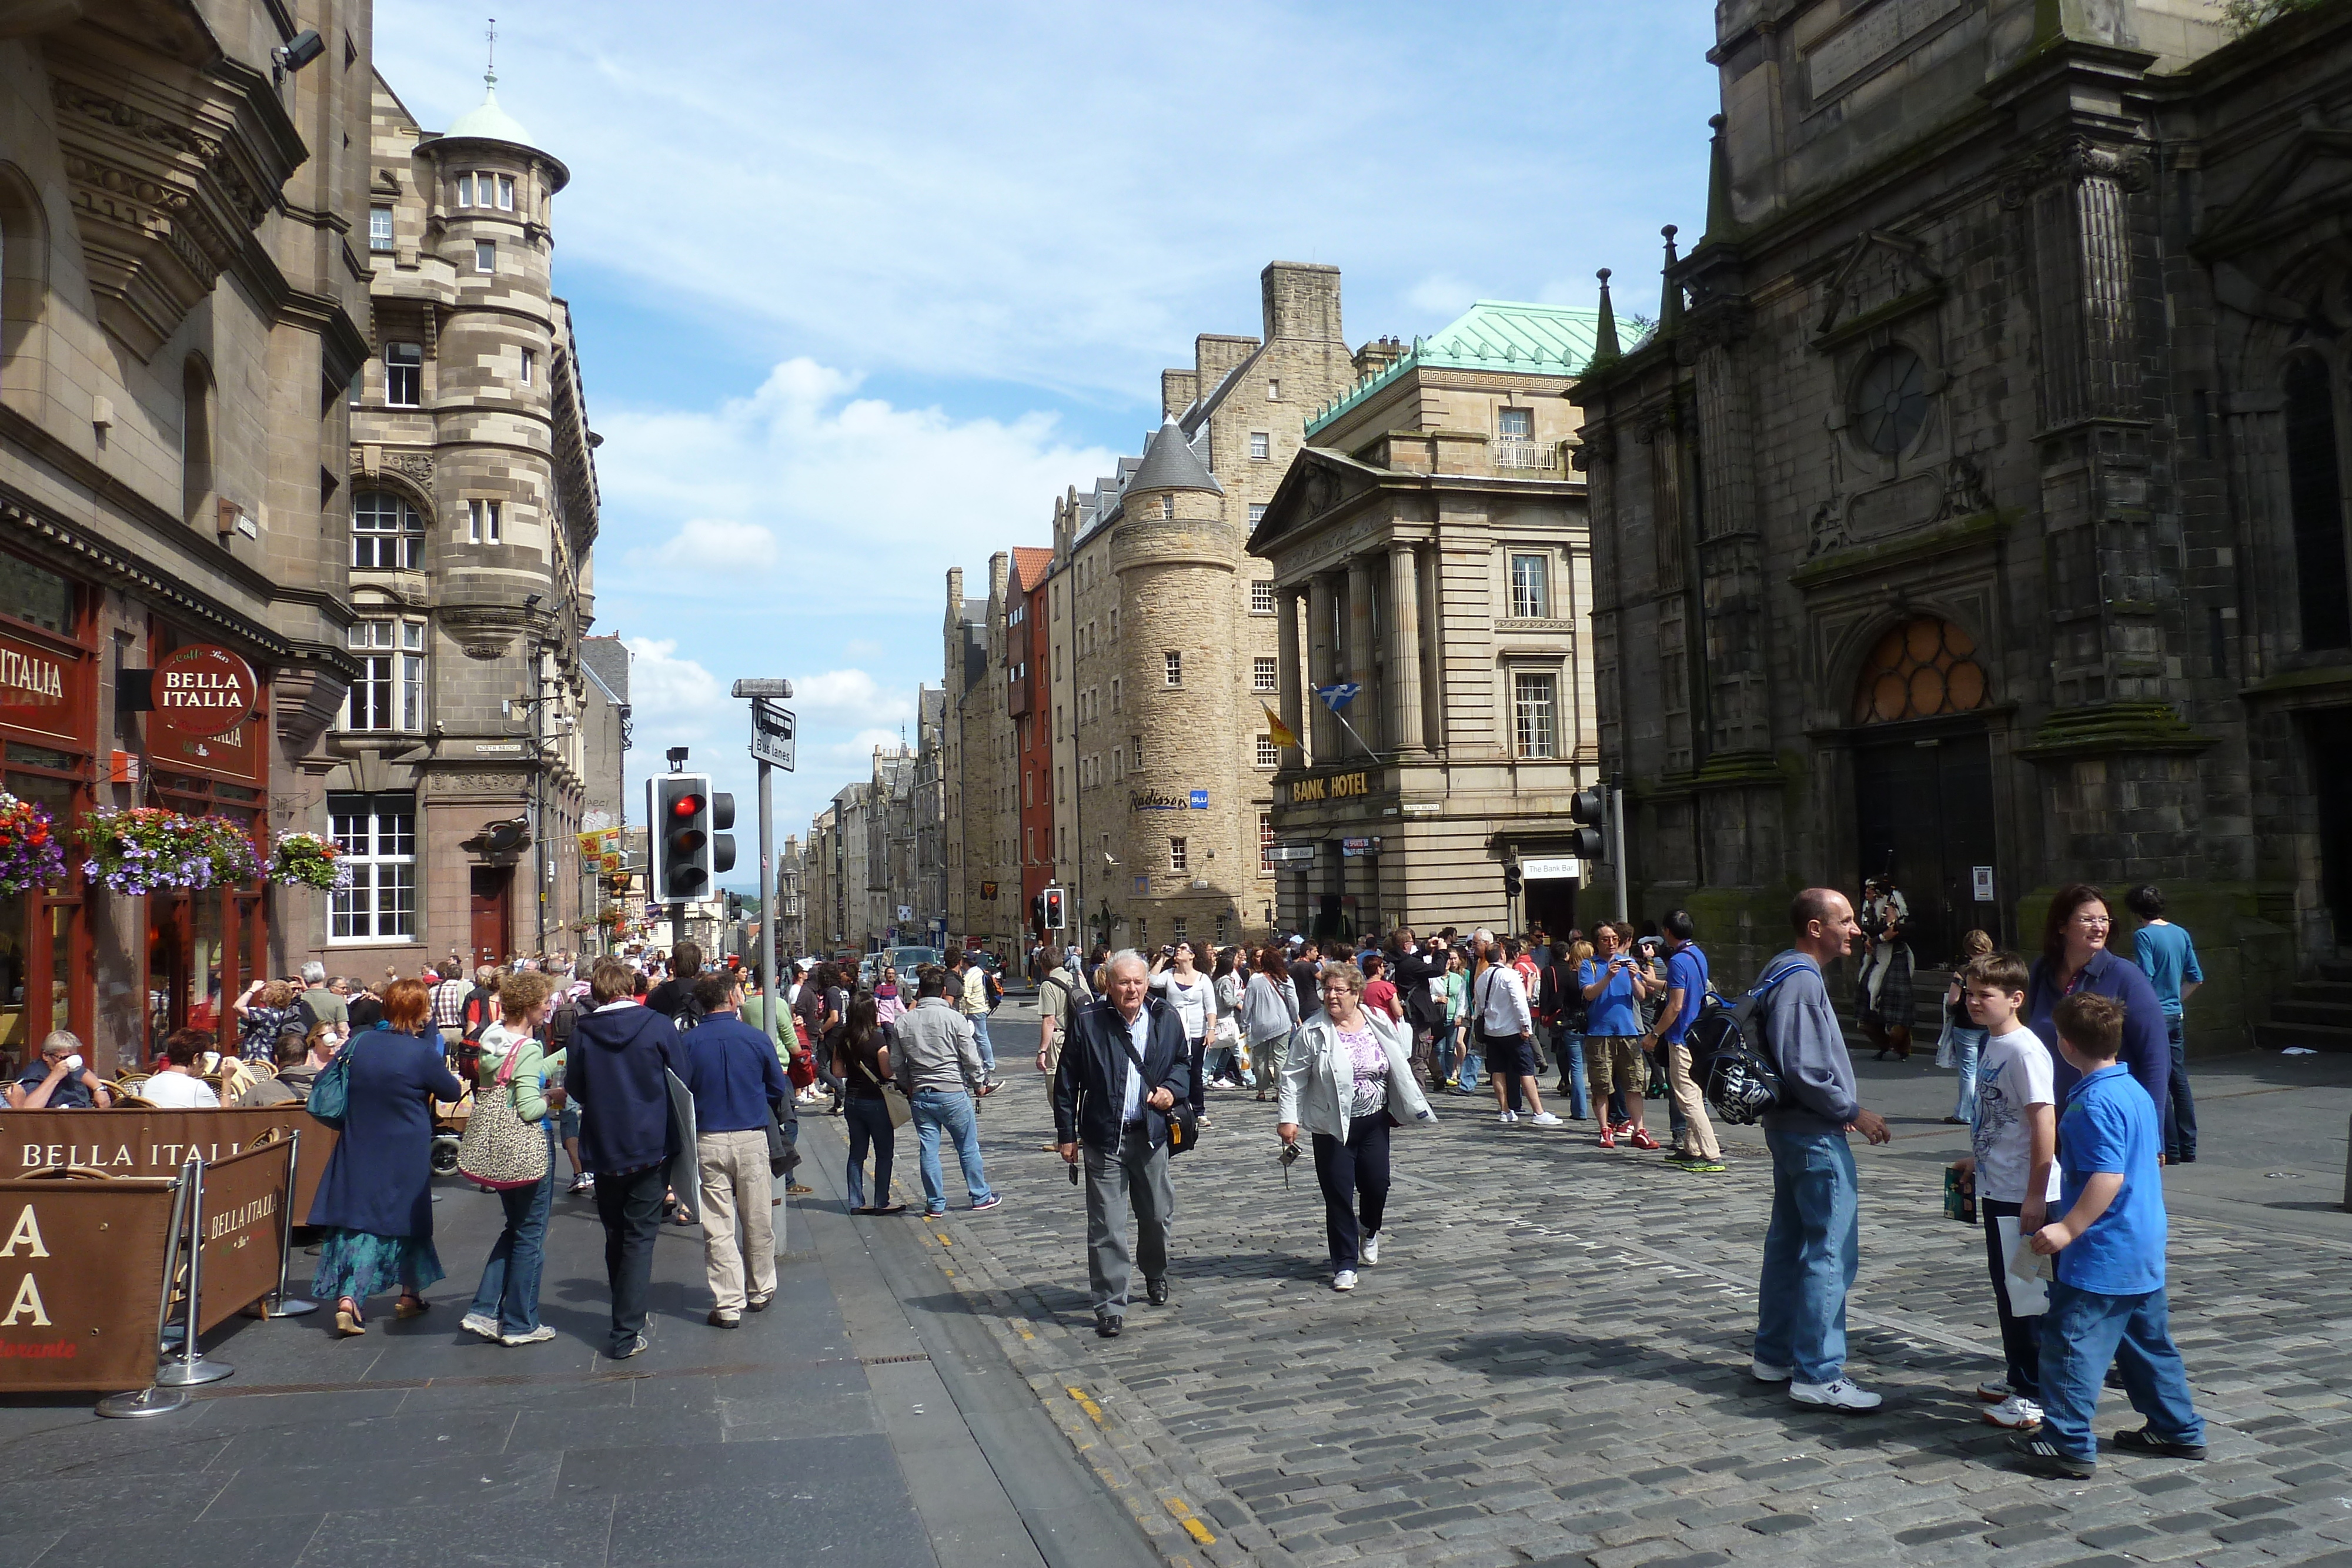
(298,51)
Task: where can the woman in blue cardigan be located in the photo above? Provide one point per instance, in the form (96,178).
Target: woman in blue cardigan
(375,1199)
(2075,958)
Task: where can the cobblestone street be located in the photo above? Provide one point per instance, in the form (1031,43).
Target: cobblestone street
(1548,1365)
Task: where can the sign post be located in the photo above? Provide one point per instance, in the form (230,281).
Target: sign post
(192,1368)
(774,736)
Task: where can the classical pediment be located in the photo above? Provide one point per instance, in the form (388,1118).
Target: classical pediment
(1320,482)
(173,169)
(1882,274)
(2312,178)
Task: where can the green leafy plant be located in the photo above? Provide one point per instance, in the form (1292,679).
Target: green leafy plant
(2245,16)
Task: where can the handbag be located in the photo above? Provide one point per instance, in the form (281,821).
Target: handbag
(330,1091)
(894,1099)
(1183,1123)
(500,1150)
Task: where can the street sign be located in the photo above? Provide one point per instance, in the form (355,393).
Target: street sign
(1548,870)
(763,687)
(773,736)
(1286,854)
(906,913)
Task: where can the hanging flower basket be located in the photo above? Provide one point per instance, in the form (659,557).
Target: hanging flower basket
(307,859)
(610,918)
(31,855)
(149,850)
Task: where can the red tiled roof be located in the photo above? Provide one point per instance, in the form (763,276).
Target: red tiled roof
(1030,565)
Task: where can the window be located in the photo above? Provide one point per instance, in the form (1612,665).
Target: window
(1114,694)
(1535,701)
(1224,928)
(1262,598)
(506,192)
(1175,668)
(1266,841)
(1167,507)
(1273,391)
(404,374)
(482,523)
(1890,400)
(465,189)
(529,365)
(1530,587)
(1138,752)
(1176,927)
(1179,855)
(1257,513)
(387,535)
(486,256)
(1517,422)
(1260,446)
(1262,674)
(379,229)
(1114,626)
(378,834)
(1268,756)
(390,692)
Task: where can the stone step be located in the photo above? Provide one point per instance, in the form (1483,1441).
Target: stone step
(2315,1037)
(2300,1009)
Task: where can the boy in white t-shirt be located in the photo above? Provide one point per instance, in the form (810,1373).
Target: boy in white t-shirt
(2014,1169)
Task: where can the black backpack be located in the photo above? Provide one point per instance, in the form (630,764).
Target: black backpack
(561,1023)
(1732,1057)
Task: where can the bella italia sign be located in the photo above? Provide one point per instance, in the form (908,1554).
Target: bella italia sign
(203,691)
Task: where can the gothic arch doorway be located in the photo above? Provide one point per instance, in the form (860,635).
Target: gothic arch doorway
(1923,781)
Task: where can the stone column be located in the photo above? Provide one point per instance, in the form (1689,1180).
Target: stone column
(1290,703)
(1322,659)
(1405,733)
(1363,659)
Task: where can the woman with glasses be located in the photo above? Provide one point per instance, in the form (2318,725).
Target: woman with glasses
(2075,958)
(1192,996)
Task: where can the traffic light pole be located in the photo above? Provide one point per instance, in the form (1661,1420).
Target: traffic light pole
(1617,824)
(767,901)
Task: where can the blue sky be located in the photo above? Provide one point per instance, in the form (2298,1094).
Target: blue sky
(859,289)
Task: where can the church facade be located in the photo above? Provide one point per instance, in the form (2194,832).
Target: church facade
(1975,514)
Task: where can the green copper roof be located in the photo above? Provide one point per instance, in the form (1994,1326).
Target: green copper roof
(1491,335)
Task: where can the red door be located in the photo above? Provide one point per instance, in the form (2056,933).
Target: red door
(493,909)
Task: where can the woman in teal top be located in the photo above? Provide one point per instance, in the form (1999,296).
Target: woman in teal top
(506,1304)
(1461,1062)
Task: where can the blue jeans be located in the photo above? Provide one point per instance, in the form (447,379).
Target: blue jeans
(1571,1051)
(987,1048)
(510,1287)
(2180,1106)
(869,1124)
(1966,1045)
(1809,1253)
(1466,1056)
(2082,1334)
(947,1110)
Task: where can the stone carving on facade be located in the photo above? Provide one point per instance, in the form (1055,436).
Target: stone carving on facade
(1964,489)
(1879,269)
(479,783)
(483,630)
(2076,158)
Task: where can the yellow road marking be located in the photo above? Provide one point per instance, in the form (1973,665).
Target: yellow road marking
(1093,1410)
(1192,1527)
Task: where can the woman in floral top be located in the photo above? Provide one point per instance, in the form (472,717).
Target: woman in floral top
(1348,1080)
(264,1010)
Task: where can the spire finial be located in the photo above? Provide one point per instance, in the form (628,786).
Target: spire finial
(1670,307)
(1604,337)
(490,68)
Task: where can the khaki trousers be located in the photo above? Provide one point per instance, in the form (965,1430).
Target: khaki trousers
(1698,1133)
(734,1168)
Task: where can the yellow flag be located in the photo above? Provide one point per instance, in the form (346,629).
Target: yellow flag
(1277,730)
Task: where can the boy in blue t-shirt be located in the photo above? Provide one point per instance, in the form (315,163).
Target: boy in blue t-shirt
(2108,1304)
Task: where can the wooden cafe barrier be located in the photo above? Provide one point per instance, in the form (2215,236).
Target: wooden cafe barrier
(150,1143)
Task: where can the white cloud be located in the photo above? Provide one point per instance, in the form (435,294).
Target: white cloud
(712,544)
(851,696)
(1442,295)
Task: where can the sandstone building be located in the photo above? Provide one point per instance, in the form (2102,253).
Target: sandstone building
(1978,511)
(1429,546)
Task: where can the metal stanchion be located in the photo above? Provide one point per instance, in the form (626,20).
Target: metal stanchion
(282,1305)
(154,1400)
(191,1367)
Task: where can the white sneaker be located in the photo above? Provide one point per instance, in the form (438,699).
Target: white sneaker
(1546,1118)
(539,1335)
(1505,1118)
(480,1324)
(1370,1252)
(1838,1396)
(1345,1280)
(1993,1390)
(2016,1412)
(1765,1372)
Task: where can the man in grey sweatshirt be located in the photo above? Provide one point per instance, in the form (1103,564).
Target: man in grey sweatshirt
(1810,1250)
(937,1058)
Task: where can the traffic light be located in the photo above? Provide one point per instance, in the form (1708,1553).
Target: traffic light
(1512,882)
(1056,919)
(1590,807)
(689,849)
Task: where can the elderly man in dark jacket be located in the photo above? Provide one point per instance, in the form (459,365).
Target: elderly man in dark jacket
(615,1070)
(1123,1070)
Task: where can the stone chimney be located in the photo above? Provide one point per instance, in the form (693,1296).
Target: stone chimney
(1302,302)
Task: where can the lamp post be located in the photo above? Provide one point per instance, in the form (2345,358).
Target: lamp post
(765,750)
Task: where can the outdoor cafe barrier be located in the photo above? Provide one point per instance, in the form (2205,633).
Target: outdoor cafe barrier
(149,1142)
(95,1264)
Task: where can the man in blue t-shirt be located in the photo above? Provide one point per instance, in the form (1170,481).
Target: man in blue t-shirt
(1695,1147)
(2165,952)
(2107,1305)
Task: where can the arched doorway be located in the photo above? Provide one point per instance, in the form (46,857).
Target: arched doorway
(1923,781)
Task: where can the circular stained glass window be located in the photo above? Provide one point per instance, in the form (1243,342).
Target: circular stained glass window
(1890,401)
(1921,669)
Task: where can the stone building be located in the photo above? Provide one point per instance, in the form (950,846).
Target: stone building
(1162,636)
(791,900)
(456,765)
(606,732)
(930,817)
(976,761)
(824,918)
(1977,512)
(1025,655)
(180,303)
(1429,546)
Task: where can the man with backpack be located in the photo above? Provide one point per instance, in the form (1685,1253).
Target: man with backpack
(1810,1247)
(674,997)
(973,983)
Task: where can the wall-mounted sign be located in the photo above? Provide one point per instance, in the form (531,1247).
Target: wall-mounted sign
(1360,846)
(1980,877)
(1338,786)
(1156,800)
(1199,800)
(39,690)
(1564,868)
(988,892)
(1291,854)
(498,748)
(203,691)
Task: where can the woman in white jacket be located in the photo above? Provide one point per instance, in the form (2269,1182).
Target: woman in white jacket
(1270,1006)
(1348,1080)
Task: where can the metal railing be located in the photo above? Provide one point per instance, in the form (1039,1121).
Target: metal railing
(1519,451)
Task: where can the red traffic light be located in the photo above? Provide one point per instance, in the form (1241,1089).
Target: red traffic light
(687,805)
